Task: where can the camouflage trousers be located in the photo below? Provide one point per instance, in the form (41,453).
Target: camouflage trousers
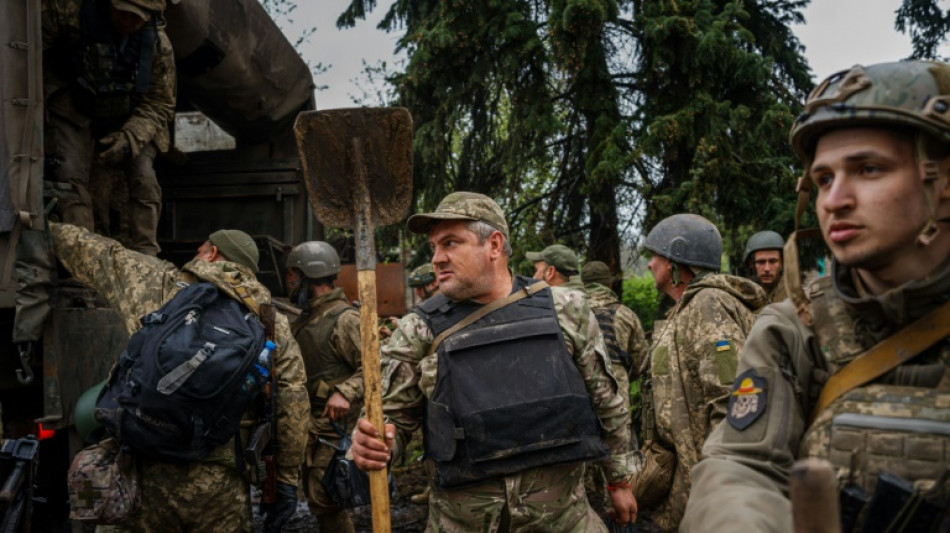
(205,497)
(329,516)
(71,151)
(545,499)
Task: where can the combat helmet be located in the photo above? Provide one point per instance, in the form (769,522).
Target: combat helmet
(913,94)
(687,239)
(316,259)
(907,94)
(763,240)
(422,276)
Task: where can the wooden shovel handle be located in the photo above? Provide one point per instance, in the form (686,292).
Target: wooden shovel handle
(373,395)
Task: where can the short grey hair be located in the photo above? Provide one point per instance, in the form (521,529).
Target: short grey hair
(484,230)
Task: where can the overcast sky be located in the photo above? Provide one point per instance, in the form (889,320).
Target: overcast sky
(836,35)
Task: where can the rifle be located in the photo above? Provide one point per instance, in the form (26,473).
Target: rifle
(270,447)
(16,493)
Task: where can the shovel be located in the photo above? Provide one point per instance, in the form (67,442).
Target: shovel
(358,168)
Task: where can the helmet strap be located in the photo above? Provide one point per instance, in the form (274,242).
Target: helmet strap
(933,184)
(676,275)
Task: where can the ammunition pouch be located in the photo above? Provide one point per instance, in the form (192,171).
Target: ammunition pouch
(899,429)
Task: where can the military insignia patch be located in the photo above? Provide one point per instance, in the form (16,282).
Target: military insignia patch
(723,345)
(747,401)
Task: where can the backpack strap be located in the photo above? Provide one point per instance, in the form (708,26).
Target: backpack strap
(243,293)
(484,310)
(886,355)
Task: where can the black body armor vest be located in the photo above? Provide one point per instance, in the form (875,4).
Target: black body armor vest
(508,396)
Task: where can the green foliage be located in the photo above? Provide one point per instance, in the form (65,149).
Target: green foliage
(640,294)
(926,24)
(592,119)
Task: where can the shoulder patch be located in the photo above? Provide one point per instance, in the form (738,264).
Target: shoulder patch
(747,399)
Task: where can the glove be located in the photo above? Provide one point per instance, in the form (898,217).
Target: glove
(278,513)
(116,149)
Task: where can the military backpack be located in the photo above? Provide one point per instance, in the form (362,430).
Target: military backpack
(186,378)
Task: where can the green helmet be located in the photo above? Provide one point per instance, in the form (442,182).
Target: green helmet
(316,259)
(687,239)
(763,240)
(84,415)
(422,276)
(913,94)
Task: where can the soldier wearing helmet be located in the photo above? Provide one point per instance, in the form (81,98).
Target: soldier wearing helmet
(694,356)
(837,371)
(423,283)
(763,256)
(328,333)
(110,86)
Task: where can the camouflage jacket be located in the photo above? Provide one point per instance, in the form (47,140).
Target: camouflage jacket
(788,365)
(409,376)
(630,335)
(335,367)
(151,112)
(693,364)
(135,284)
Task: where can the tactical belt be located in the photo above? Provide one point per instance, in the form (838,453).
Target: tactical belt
(886,355)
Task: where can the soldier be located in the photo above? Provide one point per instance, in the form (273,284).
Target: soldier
(109,81)
(505,456)
(423,283)
(328,333)
(623,335)
(558,265)
(763,256)
(693,362)
(212,494)
(875,142)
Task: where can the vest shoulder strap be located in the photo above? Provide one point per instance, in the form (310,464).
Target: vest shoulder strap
(886,355)
(484,310)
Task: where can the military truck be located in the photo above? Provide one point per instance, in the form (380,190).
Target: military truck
(236,69)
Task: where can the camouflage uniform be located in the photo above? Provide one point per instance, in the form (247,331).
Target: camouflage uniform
(574,283)
(72,132)
(693,365)
(778,293)
(751,464)
(549,498)
(627,329)
(210,495)
(336,367)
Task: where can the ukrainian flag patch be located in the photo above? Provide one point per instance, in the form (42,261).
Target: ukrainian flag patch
(722,346)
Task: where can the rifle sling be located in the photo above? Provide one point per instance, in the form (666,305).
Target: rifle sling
(886,355)
(484,310)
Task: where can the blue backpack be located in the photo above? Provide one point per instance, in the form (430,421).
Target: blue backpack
(186,378)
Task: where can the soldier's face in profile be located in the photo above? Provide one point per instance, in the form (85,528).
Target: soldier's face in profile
(870,201)
(462,263)
(206,251)
(660,268)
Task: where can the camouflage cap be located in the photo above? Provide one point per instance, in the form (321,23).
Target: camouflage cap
(597,272)
(144,9)
(914,94)
(461,206)
(557,255)
(236,246)
(422,276)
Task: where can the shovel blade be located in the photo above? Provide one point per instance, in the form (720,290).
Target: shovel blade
(336,184)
